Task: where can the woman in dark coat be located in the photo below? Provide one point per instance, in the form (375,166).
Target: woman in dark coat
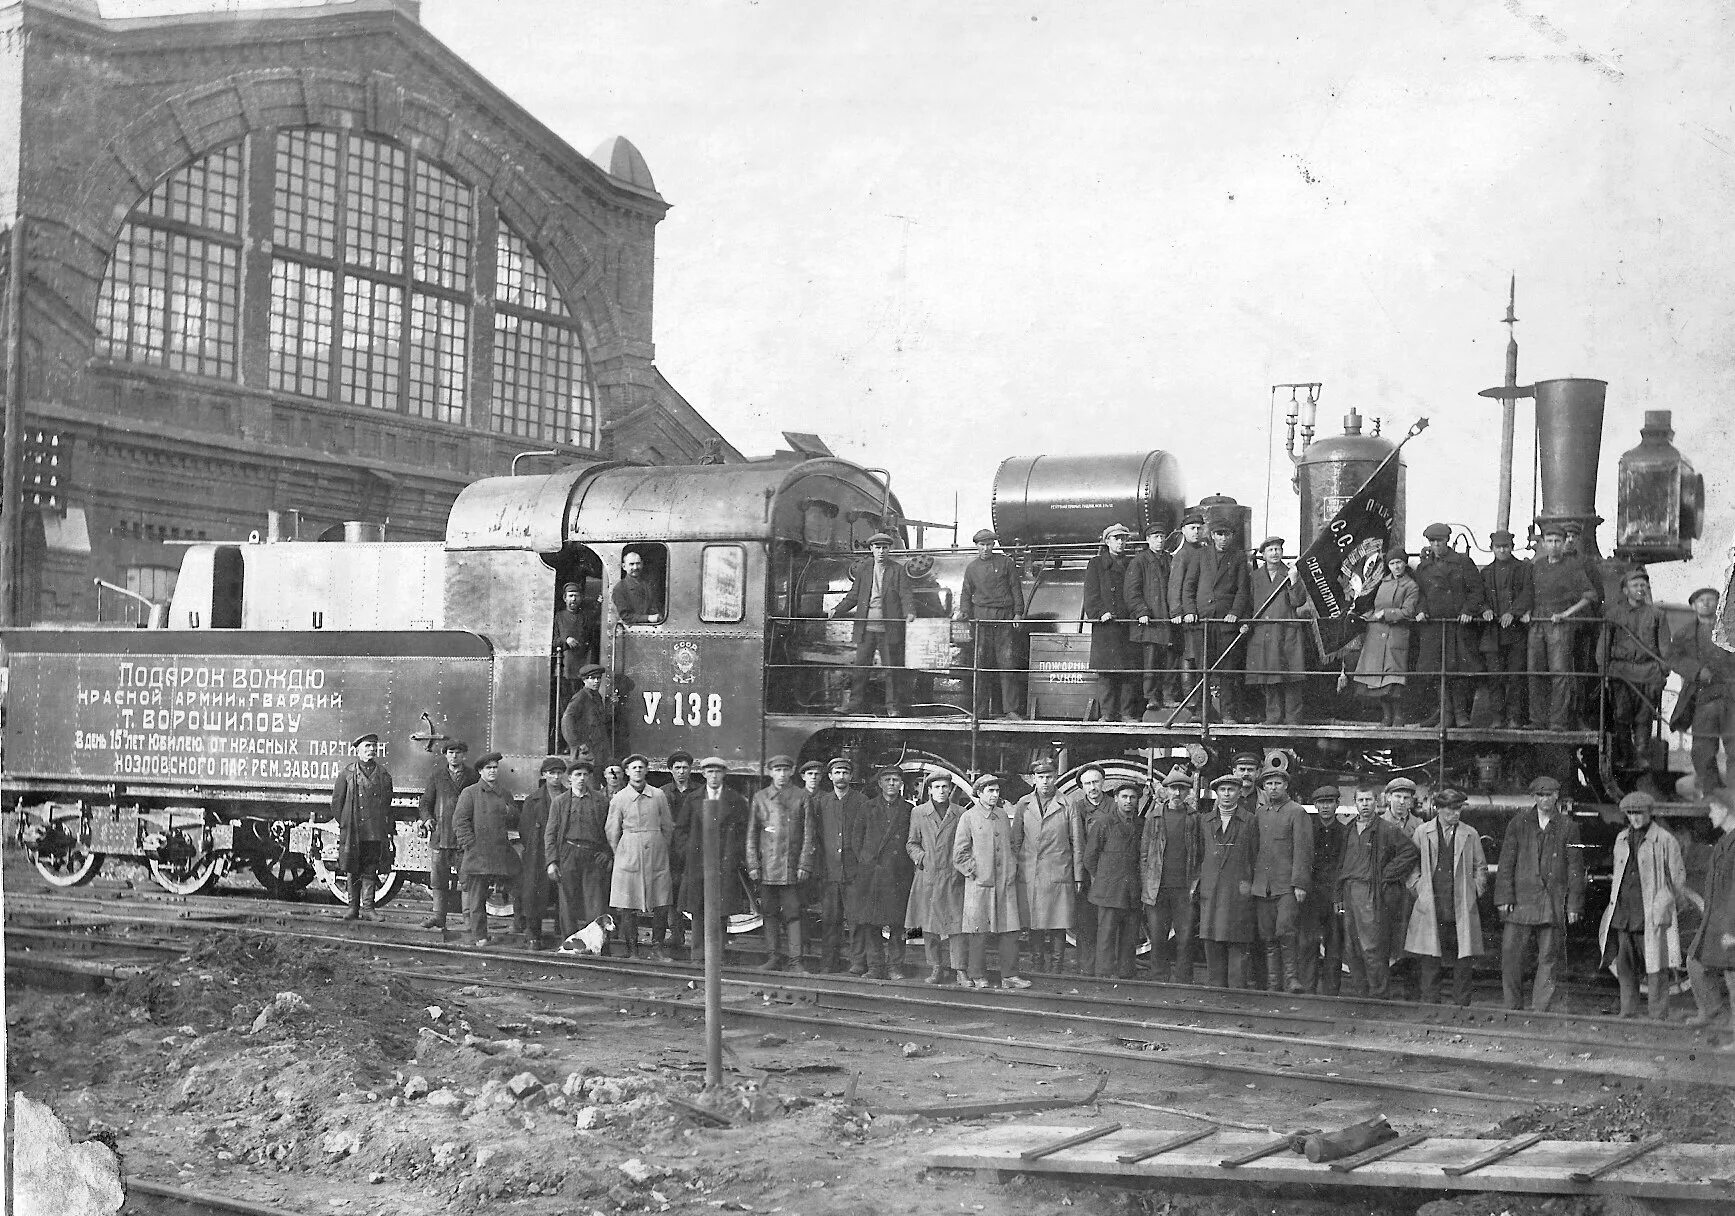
(1228,846)
(1385,653)
(1713,948)
(484,817)
(1105,607)
(1111,854)
(731,852)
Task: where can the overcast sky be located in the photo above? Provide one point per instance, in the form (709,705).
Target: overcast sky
(941,234)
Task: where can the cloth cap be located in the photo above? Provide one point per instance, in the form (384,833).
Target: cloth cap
(1501,537)
(455,745)
(1437,532)
(679,754)
(1394,551)
(1044,765)
(1636,572)
(581,763)
(1552,528)
(1545,785)
(780,762)
(639,756)
(842,762)
(1222,526)
(1225,779)
(1125,783)
(812,766)
(1180,778)
(591,669)
(553,764)
(1704,591)
(1326,791)
(1400,783)
(490,758)
(1271,540)
(1272,770)
(882,538)
(1451,797)
(1192,516)
(889,770)
(370,737)
(1638,801)
(571,587)
(710,762)
(1247,758)
(986,780)
(942,775)
(984,534)
(1116,530)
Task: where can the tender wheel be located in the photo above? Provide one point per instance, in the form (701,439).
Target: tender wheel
(502,901)
(285,876)
(67,868)
(186,877)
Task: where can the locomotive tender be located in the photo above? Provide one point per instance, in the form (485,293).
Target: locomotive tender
(210,743)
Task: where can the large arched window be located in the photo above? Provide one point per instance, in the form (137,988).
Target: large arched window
(376,254)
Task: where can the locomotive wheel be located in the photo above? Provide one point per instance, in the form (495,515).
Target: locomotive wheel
(186,877)
(502,902)
(387,883)
(285,876)
(739,922)
(72,868)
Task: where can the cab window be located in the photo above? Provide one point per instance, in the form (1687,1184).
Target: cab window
(722,583)
(640,592)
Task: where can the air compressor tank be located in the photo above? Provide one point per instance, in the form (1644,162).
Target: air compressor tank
(1060,500)
(1331,470)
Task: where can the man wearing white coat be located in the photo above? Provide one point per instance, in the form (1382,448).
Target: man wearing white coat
(1444,923)
(986,854)
(1640,931)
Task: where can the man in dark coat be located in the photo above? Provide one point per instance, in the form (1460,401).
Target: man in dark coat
(881,602)
(533,892)
(1712,950)
(1507,599)
(992,600)
(1089,802)
(1277,648)
(681,790)
(1147,596)
(586,720)
(484,816)
(577,634)
(575,844)
(878,891)
(361,802)
(1373,864)
(1218,590)
(782,839)
(1630,653)
(1319,931)
(1561,589)
(1169,876)
(636,601)
(1188,641)
(1111,657)
(1707,674)
(1228,844)
(439,800)
(1539,890)
(835,808)
(1282,876)
(730,809)
(1111,854)
(1451,589)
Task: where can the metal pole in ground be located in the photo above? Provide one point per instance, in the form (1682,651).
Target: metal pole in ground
(713,930)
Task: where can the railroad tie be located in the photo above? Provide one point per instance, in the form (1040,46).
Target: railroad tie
(1379,1151)
(1627,1155)
(1164,1146)
(1072,1141)
(1510,1149)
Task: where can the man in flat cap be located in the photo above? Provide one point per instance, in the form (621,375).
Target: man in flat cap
(361,802)
(683,792)
(1186,644)
(878,891)
(835,810)
(1445,926)
(639,827)
(577,634)
(439,801)
(1105,607)
(533,890)
(1169,877)
(1631,646)
(1090,801)
(1052,864)
(1111,854)
(992,600)
(1507,600)
(1706,703)
(810,775)
(1282,876)
(1217,593)
(1277,647)
(1640,930)
(936,904)
(575,846)
(1147,596)
(1539,890)
(1228,840)
(1319,932)
(485,814)
(1451,598)
(985,851)
(588,720)
(731,811)
(1401,800)
(782,843)
(1373,866)
(1563,589)
(881,602)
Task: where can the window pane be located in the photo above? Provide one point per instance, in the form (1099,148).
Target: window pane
(205,194)
(373,322)
(443,215)
(376,205)
(520,278)
(172,300)
(541,382)
(301,315)
(439,357)
(305,215)
(722,583)
(133,305)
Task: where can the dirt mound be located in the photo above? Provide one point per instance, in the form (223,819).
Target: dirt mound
(1687,1114)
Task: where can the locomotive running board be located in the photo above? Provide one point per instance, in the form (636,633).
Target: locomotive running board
(1179,730)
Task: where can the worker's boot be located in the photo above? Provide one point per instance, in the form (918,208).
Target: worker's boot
(1291,974)
(1273,968)
(354,912)
(1657,996)
(1729,982)
(368,885)
(773,946)
(1704,996)
(438,919)
(794,958)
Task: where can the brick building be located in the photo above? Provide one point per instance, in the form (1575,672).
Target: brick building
(303,258)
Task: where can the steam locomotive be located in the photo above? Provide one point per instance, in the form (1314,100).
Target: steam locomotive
(209,743)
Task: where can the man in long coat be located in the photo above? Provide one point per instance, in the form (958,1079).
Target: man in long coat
(1640,931)
(1451,588)
(991,598)
(1562,589)
(1373,865)
(1089,802)
(1319,931)
(1189,646)
(1277,646)
(681,790)
(585,722)
(1111,853)
(782,847)
(878,891)
(639,826)
(439,800)
(1713,948)
(1630,653)
(1282,876)
(1052,865)
(575,845)
(936,904)
(1105,607)
(577,633)
(1169,876)
(484,817)
(881,602)
(1539,890)
(714,797)
(985,851)
(361,802)
(1147,597)
(1707,674)
(834,811)
(533,890)
(1218,593)
(1507,598)
(1228,843)
(1445,925)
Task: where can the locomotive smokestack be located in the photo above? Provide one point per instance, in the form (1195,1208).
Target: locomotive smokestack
(1568,445)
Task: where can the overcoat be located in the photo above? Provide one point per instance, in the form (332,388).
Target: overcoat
(1147,594)
(685,818)
(484,817)
(1226,876)
(1185,558)
(583,629)
(586,721)
(897,600)
(1053,860)
(1105,577)
(1719,920)
(937,894)
(782,835)
(1541,870)
(731,852)
(439,800)
(1662,881)
(532,826)
(985,851)
(1469,880)
(1276,653)
(639,827)
(1111,854)
(832,817)
(881,872)
(1284,859)
(1154,844)
(1506,591)
(1392,856)
(361,802)
(1217,585)
(1385,652)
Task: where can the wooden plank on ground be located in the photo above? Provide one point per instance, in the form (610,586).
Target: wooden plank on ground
(1670,1171)
(1511,1148)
